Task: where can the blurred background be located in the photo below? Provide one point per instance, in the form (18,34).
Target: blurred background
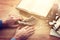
(8,7)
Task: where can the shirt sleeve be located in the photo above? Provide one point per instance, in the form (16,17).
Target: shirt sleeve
(13,38)
(1,24)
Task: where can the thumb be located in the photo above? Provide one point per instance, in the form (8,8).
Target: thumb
(17,28)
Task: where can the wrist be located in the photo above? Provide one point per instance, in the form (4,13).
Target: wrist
(15,37)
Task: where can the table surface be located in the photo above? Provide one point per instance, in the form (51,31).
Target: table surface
(42,29)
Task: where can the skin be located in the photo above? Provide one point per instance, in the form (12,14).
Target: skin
(24,32)
(21,33)
(11,22)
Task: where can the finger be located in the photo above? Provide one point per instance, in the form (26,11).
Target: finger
(17,28)
(11,17)
(29,34)
(18,19)
(30,28)
(26,27)
(15,25)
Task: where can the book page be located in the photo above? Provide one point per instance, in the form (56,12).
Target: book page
(38,7)
(53,33)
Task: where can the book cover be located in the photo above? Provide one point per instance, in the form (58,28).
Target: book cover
(38,7)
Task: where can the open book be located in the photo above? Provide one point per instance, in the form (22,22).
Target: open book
(38,7)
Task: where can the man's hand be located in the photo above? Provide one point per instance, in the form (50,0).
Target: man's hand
(24,32)
(11,22)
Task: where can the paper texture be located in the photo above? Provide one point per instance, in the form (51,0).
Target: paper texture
(38,7)
(53,33)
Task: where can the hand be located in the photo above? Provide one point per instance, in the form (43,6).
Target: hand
(24,32)
(11,22)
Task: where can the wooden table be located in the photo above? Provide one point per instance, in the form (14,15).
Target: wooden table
(42,29)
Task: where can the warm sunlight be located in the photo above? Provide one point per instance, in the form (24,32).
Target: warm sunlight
(38,7)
